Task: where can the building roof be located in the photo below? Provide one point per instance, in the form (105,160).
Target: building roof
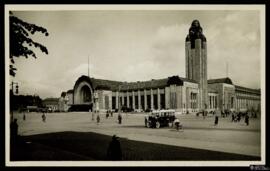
(248,90)
(220,80)
(70,91)
(129,86)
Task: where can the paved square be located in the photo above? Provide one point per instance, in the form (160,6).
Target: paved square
(197,132)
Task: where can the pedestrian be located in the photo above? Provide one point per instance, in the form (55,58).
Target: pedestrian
(204,113)
(239,117)
(154,121)
(216,120)
(233,116)
(119,118)
(14,129)
(98,119)
(43,117)
(111,113)
(247,119)
(107,114)
(177,124)
(24,117)
(114,151)
(217,113)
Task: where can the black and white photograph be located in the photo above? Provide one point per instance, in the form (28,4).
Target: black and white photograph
(135,85)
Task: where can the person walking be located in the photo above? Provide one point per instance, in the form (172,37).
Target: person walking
(217,113)
(43,117)
(98,119)
(107,114)
(119,118)
(114,151)
(24,117)
(247,119)
(239,117)
(177,124)
(145,120)
(233,117)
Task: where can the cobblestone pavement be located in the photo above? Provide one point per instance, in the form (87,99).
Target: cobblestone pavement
(197,132)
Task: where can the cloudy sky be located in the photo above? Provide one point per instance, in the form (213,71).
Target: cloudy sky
(136,46)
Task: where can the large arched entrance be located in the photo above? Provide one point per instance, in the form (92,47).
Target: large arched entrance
(83,94)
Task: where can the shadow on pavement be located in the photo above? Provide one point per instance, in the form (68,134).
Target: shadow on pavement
(88,146)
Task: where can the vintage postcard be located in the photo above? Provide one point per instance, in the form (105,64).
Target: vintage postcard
(135,85)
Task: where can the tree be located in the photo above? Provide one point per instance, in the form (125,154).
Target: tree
(20,41)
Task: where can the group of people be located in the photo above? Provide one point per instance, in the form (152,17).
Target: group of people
(236,116)
(108,114)
(98,119)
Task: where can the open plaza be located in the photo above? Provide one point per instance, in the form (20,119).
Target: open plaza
(197,132)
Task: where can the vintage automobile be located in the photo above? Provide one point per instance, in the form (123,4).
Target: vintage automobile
(159,118)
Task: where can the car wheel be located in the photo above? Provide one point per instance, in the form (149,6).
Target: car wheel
(157,125)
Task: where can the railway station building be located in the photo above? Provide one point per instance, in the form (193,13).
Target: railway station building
(189,94)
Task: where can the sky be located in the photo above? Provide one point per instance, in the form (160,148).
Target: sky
(136,46)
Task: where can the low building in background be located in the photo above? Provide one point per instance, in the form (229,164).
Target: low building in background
(52,104)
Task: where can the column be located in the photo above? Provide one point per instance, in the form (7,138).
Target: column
(158,98)
(152,99)
(237,103)
(127,99)
(123,99)
(110,101)
(212,102)
(116,99)
(103,101)
(133,100)
(145,100)
(139,99)
(167,97)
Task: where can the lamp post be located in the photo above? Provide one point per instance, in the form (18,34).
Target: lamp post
(11,95)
